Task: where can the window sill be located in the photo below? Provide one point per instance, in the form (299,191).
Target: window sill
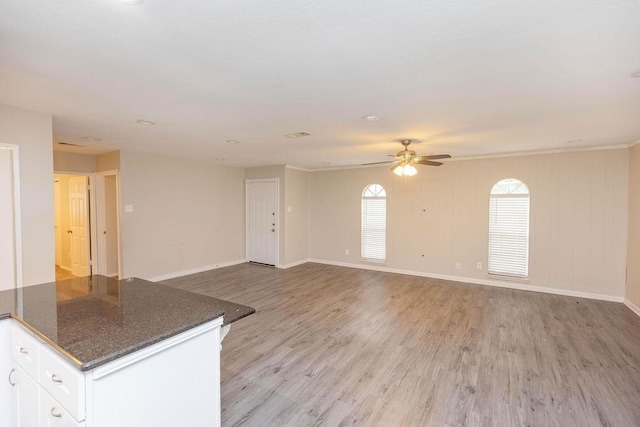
(381,263)
(508,278)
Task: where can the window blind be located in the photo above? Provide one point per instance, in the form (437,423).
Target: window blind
(509,235)
(374,226)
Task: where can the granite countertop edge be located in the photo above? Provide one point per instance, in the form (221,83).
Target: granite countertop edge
(218,310)
(99,361)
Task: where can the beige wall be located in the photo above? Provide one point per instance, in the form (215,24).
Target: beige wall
(296,215)
(633,251)
(440,217)
(186,215)
(72,162)
(108,161)
(32,132)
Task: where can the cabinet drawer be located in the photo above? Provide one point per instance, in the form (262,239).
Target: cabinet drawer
(53,414)
(63,381)
(24,350)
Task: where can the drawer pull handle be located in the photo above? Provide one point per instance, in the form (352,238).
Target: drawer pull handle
(56,379)
(55,413)
(13,384)
(24,350)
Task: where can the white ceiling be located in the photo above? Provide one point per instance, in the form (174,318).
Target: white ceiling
(466,78)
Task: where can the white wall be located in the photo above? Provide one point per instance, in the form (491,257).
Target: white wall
(633,251)
(440,217)
(186,215)
(32,132)
(296,214)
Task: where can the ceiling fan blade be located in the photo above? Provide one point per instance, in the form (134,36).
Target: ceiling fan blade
(377,163)
(436,156)
(428,163)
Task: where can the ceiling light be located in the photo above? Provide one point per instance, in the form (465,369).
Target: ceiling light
(130,2)
(636,74)
(405,169)
(371,117)
(298,134)
(91,138)
(232,141)
(145,122)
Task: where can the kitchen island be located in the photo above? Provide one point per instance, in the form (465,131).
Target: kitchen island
(97,351)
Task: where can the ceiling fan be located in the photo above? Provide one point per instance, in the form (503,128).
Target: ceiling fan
(405,162)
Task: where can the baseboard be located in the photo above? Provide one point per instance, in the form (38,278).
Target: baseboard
(294,264)
(486,282)
(194,270)
(632,306)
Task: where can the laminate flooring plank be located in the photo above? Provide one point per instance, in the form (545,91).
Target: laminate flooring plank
(336,346)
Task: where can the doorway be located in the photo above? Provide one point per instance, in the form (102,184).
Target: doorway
(262,221)
(72,217)
(108,223)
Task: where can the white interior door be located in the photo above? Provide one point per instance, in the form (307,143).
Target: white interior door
(79,225)
(262,221)
(7,225)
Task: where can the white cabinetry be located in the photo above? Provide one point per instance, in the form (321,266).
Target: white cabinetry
(6,391)
(174,382)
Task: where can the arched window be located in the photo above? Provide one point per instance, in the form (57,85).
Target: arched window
(509,229)
(374,223)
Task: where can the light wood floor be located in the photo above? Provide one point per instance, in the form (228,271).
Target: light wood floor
(338,346)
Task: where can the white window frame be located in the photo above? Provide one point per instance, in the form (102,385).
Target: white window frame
(373,214)
(509,227)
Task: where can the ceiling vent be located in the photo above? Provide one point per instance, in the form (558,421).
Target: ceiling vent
(297,134)
(69,144)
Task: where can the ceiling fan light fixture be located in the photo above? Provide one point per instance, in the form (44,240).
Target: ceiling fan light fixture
(409,170)
(398,170)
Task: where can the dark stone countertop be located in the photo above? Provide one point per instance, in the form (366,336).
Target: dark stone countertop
(94,320)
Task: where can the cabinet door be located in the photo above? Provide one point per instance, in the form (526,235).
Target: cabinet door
(53,414)
(6,391)
(26,399)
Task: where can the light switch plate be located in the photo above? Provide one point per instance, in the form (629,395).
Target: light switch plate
(128,208)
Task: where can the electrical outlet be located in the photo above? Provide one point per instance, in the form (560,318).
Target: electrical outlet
(458,266)
(346,251)
(479,265)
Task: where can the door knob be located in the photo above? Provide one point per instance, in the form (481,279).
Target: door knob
(69,231)
(273,229)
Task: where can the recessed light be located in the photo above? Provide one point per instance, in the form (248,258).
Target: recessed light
(145,122)
(298,134)
(574,141)
(636,74)
(232,141)
(371,117)
(130,2)
(91,138)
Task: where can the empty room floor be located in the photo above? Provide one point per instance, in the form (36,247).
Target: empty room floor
(340,346)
